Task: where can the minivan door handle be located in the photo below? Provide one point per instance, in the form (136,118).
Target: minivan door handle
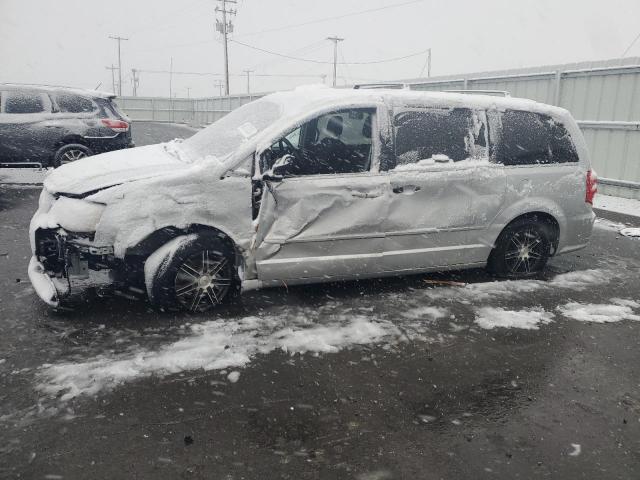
(406,189)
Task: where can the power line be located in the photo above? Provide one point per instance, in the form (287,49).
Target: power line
(290,75)
(631,45)
(421,52)
(326,19)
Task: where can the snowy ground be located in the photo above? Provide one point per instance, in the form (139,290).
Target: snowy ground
(435,376)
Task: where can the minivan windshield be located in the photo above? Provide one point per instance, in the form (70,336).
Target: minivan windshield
(224,136)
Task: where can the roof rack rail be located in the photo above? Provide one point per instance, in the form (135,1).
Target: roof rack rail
(394,86)
(497,93)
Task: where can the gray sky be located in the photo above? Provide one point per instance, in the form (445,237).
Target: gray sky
(66,41)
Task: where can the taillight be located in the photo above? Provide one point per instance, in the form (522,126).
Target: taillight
(592,186)
(116,125)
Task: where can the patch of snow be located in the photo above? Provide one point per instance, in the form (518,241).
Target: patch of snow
(234,376)
(23,175)
(625,206)
(472,293)
(599,313)
(528,319)
(426,312)
(577,449)
(630,232)
(212,345)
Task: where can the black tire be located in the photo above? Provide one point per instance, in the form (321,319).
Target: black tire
(522,249)
(70,153)
(194,273)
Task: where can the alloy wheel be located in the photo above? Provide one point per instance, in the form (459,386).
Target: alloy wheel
(202,281)
(525,252)
(71,156)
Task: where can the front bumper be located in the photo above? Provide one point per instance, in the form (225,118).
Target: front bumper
(66,265)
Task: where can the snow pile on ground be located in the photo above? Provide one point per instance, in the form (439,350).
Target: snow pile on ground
(630,232)
(528,319)
(473,293)
(213,345)
(619,310)
(23,176)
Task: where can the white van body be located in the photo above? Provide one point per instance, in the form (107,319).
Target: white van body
(321,184)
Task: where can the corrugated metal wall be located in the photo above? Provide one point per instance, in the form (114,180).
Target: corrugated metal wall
(603,96)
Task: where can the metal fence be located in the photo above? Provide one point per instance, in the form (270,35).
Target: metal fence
(194,111)
(604,96)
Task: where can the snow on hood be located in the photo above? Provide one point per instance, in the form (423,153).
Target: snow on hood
(113,168)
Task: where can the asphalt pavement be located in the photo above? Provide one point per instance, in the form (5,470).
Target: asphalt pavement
(439,394)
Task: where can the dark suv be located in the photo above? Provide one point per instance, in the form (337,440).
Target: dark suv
(55,125)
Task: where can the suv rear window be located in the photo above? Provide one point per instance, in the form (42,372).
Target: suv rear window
(23,102)
(74,104)
(529,138)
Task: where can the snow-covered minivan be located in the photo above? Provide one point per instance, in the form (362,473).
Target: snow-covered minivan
(316,185)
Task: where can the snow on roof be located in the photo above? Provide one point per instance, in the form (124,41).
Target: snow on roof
(56,89)
(319,93)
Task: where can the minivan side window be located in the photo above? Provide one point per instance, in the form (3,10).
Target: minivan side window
(334,143)
(23,102)
(424,134)
(74,104)
(529,138)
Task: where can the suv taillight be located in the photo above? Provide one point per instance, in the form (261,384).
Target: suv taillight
(592,186)
(116,125)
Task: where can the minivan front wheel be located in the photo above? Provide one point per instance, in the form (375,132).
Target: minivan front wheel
(70,153)
(195,274)
(522,250)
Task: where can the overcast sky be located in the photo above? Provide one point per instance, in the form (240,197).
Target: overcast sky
(66,41)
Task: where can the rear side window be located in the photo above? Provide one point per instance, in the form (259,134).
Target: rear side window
(23,102)
(457,133)
(74,104)
(529,138)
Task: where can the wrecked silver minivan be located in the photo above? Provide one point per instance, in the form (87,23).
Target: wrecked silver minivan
(317,185)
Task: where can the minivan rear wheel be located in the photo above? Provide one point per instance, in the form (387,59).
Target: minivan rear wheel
(195,276)
(70,153)
(522,249)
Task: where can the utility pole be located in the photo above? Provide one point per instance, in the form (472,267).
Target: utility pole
(335,41)
(119,39)
(113,77)
(171,87)
(188,92)
(219,84)
(429,63)
(225,27)
(248,72)
(135,81)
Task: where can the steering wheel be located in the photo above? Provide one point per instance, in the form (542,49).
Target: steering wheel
(291,149)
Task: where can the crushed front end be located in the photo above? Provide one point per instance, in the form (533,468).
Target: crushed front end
(66,263)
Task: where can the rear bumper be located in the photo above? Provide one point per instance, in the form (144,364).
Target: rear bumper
(577,233)
(109,144)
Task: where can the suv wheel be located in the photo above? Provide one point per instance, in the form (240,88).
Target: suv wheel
(192,272)
(70,153)
(522,249)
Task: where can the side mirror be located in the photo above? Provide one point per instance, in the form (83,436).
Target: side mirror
(271,177)
(280,169)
